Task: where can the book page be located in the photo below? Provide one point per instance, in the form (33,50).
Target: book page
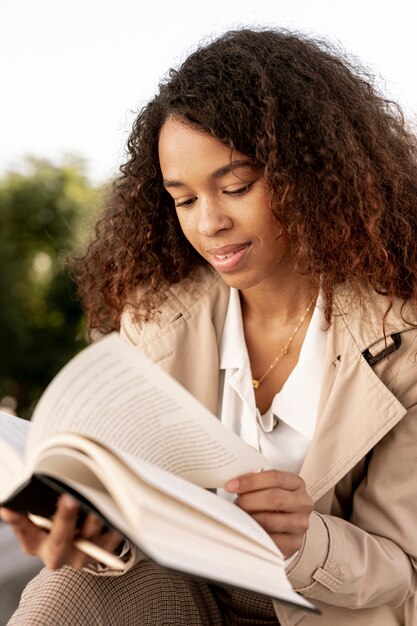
(13,435)
(122,472)
(114,394)
(176,523)
(14,432)
(222,564)
(208,503)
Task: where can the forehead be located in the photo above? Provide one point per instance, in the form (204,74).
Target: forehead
(186,150)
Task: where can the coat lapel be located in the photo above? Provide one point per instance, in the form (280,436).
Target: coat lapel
(356,408)
(184,338)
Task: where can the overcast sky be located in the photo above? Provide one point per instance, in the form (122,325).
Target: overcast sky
(74,72)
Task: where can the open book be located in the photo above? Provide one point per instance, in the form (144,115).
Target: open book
(130,443)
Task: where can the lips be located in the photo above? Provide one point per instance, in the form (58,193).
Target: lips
(225,251)
(230,257)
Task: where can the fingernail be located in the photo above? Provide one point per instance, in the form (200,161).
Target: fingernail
(69,503)
(232,485)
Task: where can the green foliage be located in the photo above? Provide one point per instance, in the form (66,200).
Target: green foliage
(42,212)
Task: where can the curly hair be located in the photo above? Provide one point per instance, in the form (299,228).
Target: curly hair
(336,155)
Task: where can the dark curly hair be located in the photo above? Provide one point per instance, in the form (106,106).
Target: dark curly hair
(337,157)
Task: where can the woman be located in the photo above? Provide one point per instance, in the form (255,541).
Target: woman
(261,246)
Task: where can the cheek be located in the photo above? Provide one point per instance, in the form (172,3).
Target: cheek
(186,226)
(271,228)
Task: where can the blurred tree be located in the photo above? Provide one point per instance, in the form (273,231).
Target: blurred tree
(42,213)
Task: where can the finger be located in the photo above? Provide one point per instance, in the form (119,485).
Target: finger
(92,530)
(288,544)
(78,559)
(265,480)
(57,548)
(270,500)
(9,516)
(111,541)
(29,536)
(65,519)
(287,523)
(92,527)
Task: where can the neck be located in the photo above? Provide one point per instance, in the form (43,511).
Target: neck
(280,303)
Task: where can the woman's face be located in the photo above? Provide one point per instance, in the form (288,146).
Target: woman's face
(223,206)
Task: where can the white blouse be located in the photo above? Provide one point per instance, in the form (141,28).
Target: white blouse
(283,434)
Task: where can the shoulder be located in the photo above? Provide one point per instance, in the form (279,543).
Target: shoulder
(202,293)
(369,319)
(358,332)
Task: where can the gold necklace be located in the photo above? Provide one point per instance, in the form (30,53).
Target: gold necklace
(257,381)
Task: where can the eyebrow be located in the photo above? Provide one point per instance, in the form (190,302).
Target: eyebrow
(219,173)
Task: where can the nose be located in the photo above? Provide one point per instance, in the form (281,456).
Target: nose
(212,218)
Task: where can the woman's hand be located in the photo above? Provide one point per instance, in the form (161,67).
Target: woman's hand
(279,502)
(55,548)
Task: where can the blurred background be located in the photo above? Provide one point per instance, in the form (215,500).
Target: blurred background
(73,76)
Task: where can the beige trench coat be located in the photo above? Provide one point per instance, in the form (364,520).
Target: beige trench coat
(359,561)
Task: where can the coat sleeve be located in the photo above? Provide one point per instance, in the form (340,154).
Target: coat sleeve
(370,559)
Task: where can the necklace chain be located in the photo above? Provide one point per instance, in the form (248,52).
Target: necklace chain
(257,381)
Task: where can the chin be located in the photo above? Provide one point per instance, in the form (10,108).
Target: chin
(238,282)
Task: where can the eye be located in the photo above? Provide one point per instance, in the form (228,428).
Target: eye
(185,203)
(241,191)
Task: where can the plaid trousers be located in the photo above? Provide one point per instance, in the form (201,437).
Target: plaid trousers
(147,595)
